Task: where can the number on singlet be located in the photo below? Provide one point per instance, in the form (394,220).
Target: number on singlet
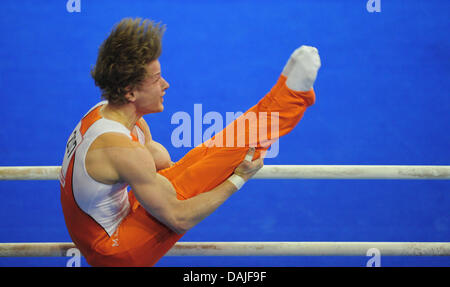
(71,143)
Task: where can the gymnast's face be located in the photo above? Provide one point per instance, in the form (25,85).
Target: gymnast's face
(148,97)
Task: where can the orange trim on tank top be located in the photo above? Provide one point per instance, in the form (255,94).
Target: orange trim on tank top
(94,116)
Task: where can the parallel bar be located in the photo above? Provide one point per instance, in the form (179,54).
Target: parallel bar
(56,249)
(277,172)
(354,172)
(29,172)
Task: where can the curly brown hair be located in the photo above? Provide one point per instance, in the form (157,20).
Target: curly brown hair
(124,55)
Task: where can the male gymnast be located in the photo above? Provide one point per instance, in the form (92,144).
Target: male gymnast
(112,149)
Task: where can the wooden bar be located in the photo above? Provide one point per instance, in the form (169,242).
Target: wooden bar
(62,249)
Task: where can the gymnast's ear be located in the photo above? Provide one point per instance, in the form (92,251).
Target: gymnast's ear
(130,96)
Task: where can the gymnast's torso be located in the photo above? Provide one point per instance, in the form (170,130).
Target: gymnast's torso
(107,204)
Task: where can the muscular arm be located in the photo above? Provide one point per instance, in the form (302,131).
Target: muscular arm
(134,164)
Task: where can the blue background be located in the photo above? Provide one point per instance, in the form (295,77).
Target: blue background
(382,99)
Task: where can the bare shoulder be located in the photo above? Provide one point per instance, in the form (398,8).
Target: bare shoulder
(114,157)
(112,139)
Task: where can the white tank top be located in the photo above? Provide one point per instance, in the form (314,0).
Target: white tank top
(106,204)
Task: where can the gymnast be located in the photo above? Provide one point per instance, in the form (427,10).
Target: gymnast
(111,149)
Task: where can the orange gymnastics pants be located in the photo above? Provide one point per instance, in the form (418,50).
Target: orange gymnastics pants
(141,240)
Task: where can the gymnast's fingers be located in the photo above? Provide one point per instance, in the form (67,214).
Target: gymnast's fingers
(250,154)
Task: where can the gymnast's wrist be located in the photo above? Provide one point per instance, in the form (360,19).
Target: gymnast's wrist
(237,180)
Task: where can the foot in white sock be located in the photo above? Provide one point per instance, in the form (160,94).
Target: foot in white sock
(301,69)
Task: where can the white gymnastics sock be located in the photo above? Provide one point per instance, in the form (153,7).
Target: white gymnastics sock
(301,69)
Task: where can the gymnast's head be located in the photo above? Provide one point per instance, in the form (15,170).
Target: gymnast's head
(127,70)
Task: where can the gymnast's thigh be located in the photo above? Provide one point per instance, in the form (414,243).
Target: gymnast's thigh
(140,240)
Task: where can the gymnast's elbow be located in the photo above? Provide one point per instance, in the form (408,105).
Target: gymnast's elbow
(179,226)
(185,219)
(177,220)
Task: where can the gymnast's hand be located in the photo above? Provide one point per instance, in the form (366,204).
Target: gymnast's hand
(301,69)
(249,167)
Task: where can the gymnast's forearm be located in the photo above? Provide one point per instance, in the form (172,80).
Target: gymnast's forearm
(159,198)
(195,209)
